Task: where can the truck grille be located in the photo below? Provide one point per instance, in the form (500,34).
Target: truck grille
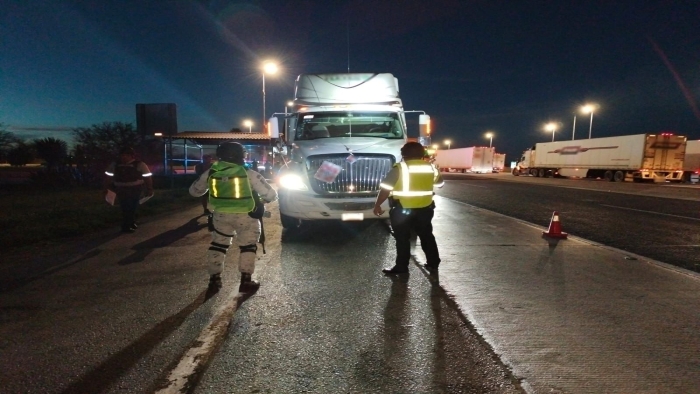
(359,177)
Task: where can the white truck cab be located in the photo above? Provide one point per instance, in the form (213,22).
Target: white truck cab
(344,134)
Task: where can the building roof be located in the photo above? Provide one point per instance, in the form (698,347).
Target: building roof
(215,137)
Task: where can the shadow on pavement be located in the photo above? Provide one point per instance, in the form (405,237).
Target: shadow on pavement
(143,249)
(104,375)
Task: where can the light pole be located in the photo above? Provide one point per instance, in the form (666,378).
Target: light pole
(489,135)
(267,68)
(249,124)
(551,126)
(448,143)
(573,132)
(586,109)
(288,104)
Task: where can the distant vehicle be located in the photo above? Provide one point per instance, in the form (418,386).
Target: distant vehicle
(499,162)
(640,157)
(478,159)
(691,162)
(344,134)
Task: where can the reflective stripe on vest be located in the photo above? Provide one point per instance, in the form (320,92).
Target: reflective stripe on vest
(229,188)
(414,189)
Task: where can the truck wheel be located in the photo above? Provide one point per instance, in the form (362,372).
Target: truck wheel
(541,173)
(533,172)
(608,176)
(289,222)
(515,172)
(619,176)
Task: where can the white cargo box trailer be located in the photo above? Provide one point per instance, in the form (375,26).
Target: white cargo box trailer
(473,159)
(691,162)
(499,162)
(657,157)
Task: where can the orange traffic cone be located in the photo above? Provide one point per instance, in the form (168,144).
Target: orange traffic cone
(554,230)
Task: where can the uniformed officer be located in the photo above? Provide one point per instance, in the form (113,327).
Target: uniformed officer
(409,188)
(128,177)
(233,191)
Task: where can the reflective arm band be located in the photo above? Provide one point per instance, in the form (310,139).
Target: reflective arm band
(386,187)
(109,173)
(145,175)
(441,184)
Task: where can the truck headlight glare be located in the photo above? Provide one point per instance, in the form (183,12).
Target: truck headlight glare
(292,182)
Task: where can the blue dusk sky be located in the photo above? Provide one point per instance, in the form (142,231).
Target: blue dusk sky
(475,66)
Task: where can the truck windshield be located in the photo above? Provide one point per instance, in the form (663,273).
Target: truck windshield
(348,124)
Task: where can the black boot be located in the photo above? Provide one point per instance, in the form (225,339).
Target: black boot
(248,285)
(215,282)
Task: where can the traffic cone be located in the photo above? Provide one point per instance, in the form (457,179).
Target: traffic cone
(554,230)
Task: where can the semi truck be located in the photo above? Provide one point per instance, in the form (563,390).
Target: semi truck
(641,157)
(691,162)
(343,135)
(477,159)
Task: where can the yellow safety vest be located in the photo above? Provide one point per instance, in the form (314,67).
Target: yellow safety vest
(414,189)
(229,188)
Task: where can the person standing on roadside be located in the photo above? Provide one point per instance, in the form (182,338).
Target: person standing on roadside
(409,188)
(199,170)
(237,196)
(128,177)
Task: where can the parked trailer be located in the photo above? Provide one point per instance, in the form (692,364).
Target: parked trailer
(640,157)
(473,159)
(691,162)
(499,162)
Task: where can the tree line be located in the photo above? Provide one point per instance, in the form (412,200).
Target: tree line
(95,147)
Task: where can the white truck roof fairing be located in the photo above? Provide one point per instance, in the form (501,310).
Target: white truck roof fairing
(354,88)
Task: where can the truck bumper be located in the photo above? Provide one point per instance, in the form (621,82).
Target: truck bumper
(307,206)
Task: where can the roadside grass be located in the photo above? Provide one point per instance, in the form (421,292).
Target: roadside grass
(31,216)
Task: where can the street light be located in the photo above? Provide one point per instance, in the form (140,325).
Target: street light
(489,135)
(589,108)
(248,124)
(267,68)
(435,146)
(551,126)
(448,143)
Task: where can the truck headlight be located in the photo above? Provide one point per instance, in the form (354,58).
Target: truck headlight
(292,182)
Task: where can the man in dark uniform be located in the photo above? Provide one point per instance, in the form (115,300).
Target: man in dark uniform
(127,177)
(409,188)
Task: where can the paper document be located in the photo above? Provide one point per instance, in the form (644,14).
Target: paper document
(110,197)
(144,199)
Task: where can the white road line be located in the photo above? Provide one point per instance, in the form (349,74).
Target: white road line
(203,347)
(656,213)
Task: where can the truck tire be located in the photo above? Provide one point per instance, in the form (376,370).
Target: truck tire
(515,172)
(542,173)
(608,176)
(619,176)
(289,222)
(533,172)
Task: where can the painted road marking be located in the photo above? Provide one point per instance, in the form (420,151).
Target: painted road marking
(656,213)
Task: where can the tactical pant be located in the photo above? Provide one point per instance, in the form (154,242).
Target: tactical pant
(128,198)
(419,220)
(245,229)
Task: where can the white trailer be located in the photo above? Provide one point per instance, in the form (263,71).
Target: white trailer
(499,162)
(343,136)
(655,157)
(477,159)
(691,162)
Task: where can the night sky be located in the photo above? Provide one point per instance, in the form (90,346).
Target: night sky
(474,66)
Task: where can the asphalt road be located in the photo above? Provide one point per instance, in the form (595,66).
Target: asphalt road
(661,222)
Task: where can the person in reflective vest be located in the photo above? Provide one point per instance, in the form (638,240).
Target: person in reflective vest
(233,191)
(409,188)
(128,177)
